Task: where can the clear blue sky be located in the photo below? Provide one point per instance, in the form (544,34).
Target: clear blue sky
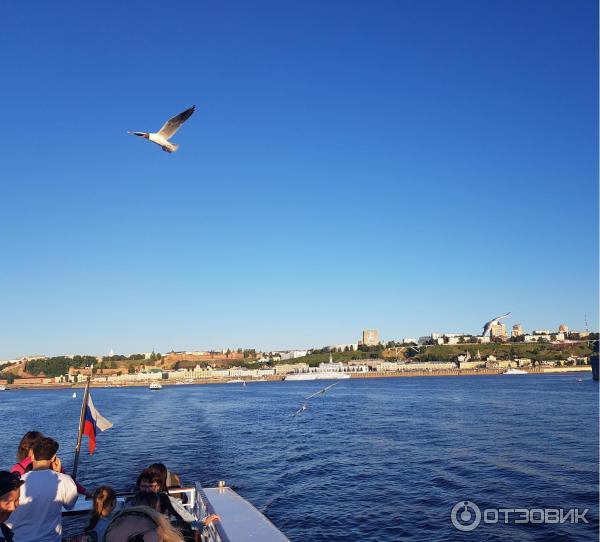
(409,166)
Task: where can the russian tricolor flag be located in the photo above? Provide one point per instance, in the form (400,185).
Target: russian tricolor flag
(94,422)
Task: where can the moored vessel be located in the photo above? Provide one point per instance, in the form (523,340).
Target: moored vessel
(515,372)
(317,375)
(325,371)
(155,386)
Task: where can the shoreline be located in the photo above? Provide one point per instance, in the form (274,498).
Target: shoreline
(386,374)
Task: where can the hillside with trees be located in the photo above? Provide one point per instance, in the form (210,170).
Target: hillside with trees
(533,351)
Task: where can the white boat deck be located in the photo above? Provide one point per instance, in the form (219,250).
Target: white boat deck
(240,521)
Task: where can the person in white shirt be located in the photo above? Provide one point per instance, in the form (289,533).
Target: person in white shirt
(45,491)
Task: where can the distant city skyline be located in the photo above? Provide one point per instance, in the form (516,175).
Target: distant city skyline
(367,337)
(402,166)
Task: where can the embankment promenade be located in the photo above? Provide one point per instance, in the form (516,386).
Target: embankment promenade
(362,375)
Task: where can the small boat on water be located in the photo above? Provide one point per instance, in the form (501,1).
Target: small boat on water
(2,387)
(74,395)
(155,386)
(515,372)
(236,381)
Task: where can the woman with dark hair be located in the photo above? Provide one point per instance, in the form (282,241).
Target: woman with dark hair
(152,481)
(105,500)
(170,479)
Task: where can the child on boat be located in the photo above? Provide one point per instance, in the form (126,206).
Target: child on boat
(25,457)
(105,500)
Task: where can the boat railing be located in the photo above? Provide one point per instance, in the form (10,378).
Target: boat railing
(189,494)
(203,508)
(243,521)
(239,521)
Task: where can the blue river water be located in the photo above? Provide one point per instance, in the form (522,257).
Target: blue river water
(372,460)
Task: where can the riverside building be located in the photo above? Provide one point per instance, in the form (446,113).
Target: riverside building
(517,330)
(498,330)
(370,337)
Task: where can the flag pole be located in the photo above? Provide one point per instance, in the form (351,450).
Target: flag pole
(84,403)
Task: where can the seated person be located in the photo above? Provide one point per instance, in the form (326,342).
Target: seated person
(170,479)
(157,501)
(140,523)
(150,481)
(105,500)
(10,491)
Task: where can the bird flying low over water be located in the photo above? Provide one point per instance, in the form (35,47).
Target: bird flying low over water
(300,410)
(323,391)
(488,325)
(167,131)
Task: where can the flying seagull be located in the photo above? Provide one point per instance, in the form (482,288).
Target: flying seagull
(167,131)
(323,391)
(493,322)
(300,410)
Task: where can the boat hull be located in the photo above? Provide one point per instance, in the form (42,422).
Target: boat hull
(316,376)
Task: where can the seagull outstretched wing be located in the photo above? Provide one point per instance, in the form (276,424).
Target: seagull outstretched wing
(323,391)
(488,325)
(172,125)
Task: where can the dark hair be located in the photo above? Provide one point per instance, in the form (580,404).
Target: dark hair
(104,496)
(145,498)
(9,481)
(26,444)
(151,475)
(170,479)
(162,471)
(45,449)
